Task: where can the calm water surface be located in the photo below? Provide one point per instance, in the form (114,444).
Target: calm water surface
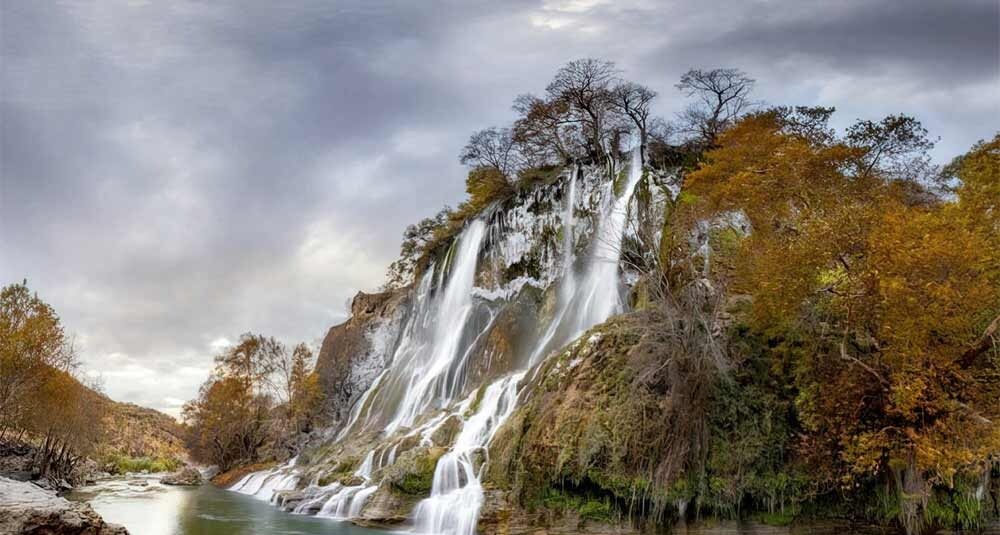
(155,509)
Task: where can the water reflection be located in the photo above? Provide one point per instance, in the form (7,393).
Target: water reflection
(146,507)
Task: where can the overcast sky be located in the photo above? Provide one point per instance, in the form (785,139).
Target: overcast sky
(173,174)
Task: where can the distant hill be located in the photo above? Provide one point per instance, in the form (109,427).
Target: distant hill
(140,431)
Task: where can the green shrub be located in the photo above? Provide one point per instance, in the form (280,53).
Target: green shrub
(122,464)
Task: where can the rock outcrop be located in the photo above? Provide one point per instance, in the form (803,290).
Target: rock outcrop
(355,352)
(187,477)
(28,509)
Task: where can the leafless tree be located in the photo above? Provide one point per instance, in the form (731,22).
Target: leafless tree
(492,147)
(585,84)
(723,95)
(633,101)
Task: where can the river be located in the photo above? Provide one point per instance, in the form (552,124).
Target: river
(146,507)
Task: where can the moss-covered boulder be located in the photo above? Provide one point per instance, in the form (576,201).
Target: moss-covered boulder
(413,471)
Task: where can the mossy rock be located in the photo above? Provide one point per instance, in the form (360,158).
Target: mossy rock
(413,471)
(445,434)
(341,470)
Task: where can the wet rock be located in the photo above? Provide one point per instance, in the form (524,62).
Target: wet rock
(209,472)
(27,508)
(352,480)
(413,471)
(445,434)
(188,476)
(386,507)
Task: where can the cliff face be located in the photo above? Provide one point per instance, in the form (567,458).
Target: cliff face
(356,351)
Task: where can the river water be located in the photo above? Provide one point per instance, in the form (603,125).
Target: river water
(146,507)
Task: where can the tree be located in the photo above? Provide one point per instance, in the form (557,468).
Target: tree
(416,237)
(226,423)
(545,131)
(585,85)
(485,185)
(32,344)
(890,296)
(723,96)
(495,148)
(257,402)
(632,100)
(897,146)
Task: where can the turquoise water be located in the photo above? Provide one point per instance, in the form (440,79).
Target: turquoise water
(146,507)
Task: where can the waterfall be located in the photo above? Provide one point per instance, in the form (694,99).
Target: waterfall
(597,296)
(456,492)
(263,485)
(448,316)
(429,376)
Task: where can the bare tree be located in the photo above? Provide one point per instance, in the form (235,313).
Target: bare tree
(585,84)
(632,100)
(492,147)
(723,95)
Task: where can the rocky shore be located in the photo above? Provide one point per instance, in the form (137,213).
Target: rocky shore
(28,508)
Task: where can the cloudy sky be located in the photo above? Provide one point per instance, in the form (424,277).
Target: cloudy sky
(173,174)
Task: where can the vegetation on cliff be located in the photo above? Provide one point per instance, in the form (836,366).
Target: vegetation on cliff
(817,333)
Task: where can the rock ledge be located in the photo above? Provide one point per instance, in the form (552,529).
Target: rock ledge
(27,508)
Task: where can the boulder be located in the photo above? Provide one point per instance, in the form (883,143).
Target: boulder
(187,476)
(27,508)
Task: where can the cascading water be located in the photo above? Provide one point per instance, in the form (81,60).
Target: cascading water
(456,493)
(597,296)
(429,376)
(448,318)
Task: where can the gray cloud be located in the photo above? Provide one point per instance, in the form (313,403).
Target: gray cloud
(175,173)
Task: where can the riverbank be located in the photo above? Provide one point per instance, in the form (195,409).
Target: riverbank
(28,508)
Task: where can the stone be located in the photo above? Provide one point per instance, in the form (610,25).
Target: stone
(188,476)
(27,508)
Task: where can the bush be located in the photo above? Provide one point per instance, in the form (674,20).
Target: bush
(123,464)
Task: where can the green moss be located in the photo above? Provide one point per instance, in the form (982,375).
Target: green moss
(413,472)
(340,469)
(588,507)
(476,402)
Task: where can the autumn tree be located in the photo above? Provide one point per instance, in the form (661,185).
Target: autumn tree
(258,400)
(545,131)
(41,402)
(891,287)
(32,344)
